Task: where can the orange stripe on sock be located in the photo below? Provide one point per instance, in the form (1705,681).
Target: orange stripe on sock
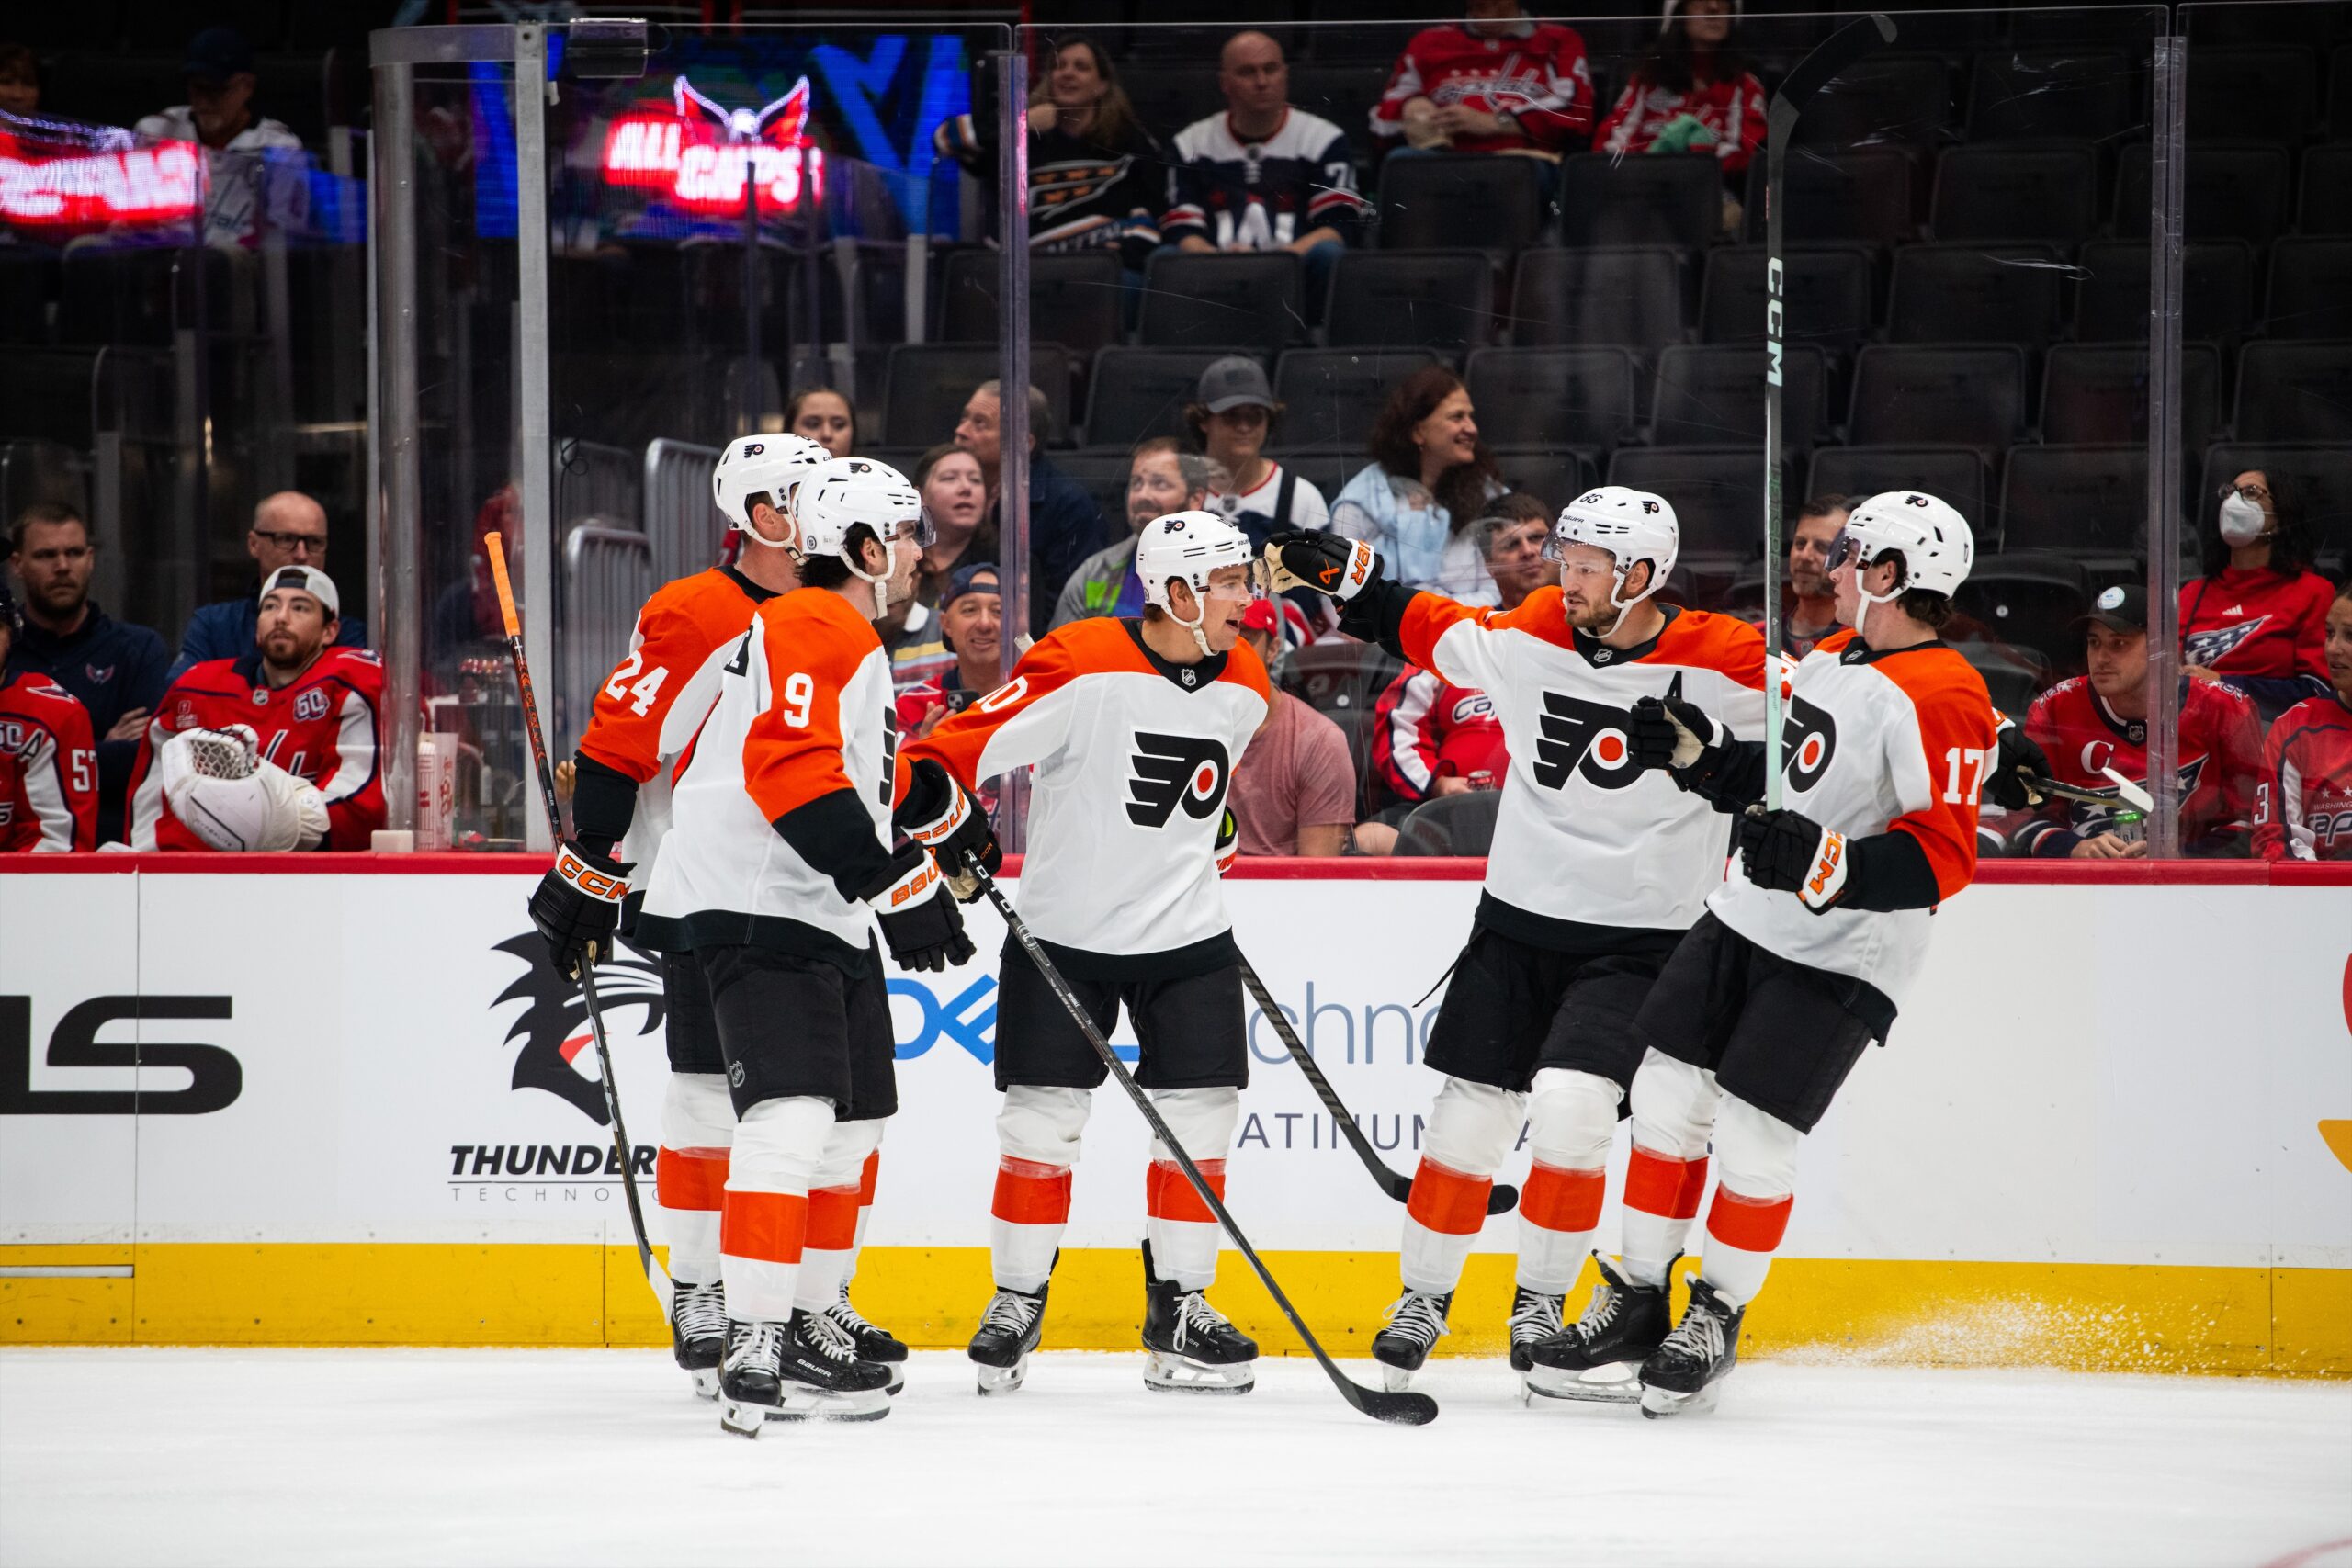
(1662,1185)
(1694,1181)
(1557,1200)
(866,1177)
(687,1179)
(769,1226)
(1752,1225)
(1448,1202)
(1029,1192)
(1167,1196)
(832,1218)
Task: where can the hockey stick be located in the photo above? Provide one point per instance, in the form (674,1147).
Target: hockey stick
(2127,792)
(1403,1409)
(655,1276)
(1841,49)
(1500,1200)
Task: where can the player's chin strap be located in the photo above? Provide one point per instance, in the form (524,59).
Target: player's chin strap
(1197,624)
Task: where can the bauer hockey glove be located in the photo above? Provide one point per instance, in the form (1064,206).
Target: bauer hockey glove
(920,922)
(942,817)
(2020,763)
(1327,563)
(577,905)
(1788,851)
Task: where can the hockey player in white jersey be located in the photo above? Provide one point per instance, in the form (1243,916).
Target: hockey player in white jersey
(1809,946)
(1596,871)
(1134,727)
(777,868)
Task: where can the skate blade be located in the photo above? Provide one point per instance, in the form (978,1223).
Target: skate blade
(1167,1373)
(1556,1382)
(1003,1379)
(897,1377)
(743,1420)
(1396,1380)
(1662,1401)
(823,1404)
(705,1381)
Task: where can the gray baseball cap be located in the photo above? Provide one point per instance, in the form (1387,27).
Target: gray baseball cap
(1232,381)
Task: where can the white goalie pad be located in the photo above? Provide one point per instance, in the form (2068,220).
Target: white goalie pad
(224,793)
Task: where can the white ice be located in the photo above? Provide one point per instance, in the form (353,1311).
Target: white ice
(132,1455)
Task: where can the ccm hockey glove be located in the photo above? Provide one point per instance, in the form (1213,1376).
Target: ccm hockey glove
(577,905)
(1310,558)
(941,817)
(1790,852)
(920,922)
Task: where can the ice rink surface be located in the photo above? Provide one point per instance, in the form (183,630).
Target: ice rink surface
(136,1456)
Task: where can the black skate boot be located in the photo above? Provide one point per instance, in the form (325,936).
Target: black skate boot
(1192,1345)
(1415,1321)
(1010,1329)
(698,1334)
(1534,1316)
(1682,1374)
(750,1384)
(823,1377)
(1598,1357)
(874,1344)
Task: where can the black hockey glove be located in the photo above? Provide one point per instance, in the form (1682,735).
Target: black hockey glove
(2020,763)
(1790,852)
(1671,733)
(1327,563)
(577,905)
(920,922)
(941,817)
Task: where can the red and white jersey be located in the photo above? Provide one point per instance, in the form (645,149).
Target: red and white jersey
(2302,806)
(2220,751)
(49,768)
(1734,110)
(322,727)
(1427,728)
(1133,756)
(1874,743)
(1583,836)
(804,710)
(1535,70)
(2257,622)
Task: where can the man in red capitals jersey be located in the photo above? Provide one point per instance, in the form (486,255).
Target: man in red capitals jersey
(1497,82)
(49,766)
(2097,722)
(776,868)
(646,715)
(1433,738)
(304,712)
(1596,871)
(1809,946)
(1133,726)
(2303,809)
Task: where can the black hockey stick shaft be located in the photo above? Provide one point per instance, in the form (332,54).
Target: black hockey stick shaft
(1500,1200)
(1405,1408)
(655,1277)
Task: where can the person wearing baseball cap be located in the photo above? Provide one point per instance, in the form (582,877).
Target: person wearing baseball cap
(289,528)
(971,627)
(264,178)
(1233,415)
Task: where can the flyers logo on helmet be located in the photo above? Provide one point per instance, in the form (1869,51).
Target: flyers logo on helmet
(1808,739)
(1176,769)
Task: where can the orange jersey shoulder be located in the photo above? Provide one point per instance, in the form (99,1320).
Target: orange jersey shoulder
(681,627)
(1701,639)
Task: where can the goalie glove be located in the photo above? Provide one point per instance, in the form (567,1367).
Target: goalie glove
(577,905)
(920,922)
(942,817)
(223,791)
(1327,563)
(1788,851)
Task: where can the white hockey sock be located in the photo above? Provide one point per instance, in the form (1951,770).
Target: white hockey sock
(1674,1113)
(690,1172)
(1183,1232)
(1037,1137)
(1758,1153)
(1572,1118)
(866,1183)
(1470,1127)
(833,1213)
(764,1225)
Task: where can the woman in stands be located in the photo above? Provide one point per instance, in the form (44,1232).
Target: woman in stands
(957,497)
(2257,618)
(2302,809)
(1429,476)
(1692,92)
(825,416)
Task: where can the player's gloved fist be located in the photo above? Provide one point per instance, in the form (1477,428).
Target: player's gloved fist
(1790,852)
(1310,558)
(577,905)
(2021,762)
(1669,733)
(943,817)
(920,922)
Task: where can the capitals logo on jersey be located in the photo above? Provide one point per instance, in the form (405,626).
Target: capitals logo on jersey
(1169,771)
(2210,647)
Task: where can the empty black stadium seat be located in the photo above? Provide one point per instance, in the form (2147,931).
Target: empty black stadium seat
(929,383)
(2093,29)
(2217,290)
(1826,291)
(2013,674)
(28,281)
(1955,473)
(140,294)
(1562,397)
(2033,598)
(1101,472)
(1713,395)
(1608,200)
(1330,396)
(34,470)
(2322,478)
(1960,292)
(2339,91)
(1139,392)
(1073,299)
(1717,493)
(2081,92)
(1971,395)
(1859,193)
(1458,824)
(1553,475)
(1192,298)
(2097,394)
(1887,97)
(2230,190)
(2010,192)
(2295,392)
(1170,97)
(1626,295)
(2259,91)
(2087,501)
(1467,198)
(1439,299)
(2324,204)
(2308,296)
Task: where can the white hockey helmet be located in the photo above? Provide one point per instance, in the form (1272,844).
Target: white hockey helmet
(1631,524)
(754,465)
(842,492)
(1191,544)
(1934,541)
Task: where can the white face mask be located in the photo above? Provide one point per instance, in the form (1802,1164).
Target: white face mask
(2241,520)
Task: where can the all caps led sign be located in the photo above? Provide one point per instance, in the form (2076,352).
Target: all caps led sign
(106,180)
(701,154)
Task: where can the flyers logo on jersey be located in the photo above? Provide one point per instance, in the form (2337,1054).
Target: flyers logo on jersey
(1808,739)
(1586,737)
(1176,769)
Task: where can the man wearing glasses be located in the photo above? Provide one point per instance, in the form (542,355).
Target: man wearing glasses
(289,529)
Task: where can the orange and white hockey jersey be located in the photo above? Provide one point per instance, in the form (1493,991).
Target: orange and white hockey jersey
(804,712)
(1133,756)
(1583,837)
(1873,743)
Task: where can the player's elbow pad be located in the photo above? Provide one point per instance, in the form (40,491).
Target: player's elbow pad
(1890,871)
(834,833)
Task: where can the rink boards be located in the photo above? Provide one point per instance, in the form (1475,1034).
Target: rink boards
(351,1106)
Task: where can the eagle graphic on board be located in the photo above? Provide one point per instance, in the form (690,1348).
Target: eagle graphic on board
(559,1053)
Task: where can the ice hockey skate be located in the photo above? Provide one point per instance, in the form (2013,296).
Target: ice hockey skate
(698,1334)
(1681,1375)
(793,1371)
(1598,1357)
(1008,1331)
(1534,1317)
(1190,1346)
(874,1342)
(1416,1319)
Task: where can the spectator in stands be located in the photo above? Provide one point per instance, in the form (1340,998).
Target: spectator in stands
(1161,478)
(955,494)
(19,80)
(1096,177)
(2303,811)
(247,186)
(289,529)
(1295,788)
(49,768)
(1065,525)
(1497,82)
(971,618)
(1233,416)
(2099,721)
(1511,539)
(825,416)
(1692,92)
(1429,476)
(1808,606)
(2257,616)
(118,671)
(1264,175)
